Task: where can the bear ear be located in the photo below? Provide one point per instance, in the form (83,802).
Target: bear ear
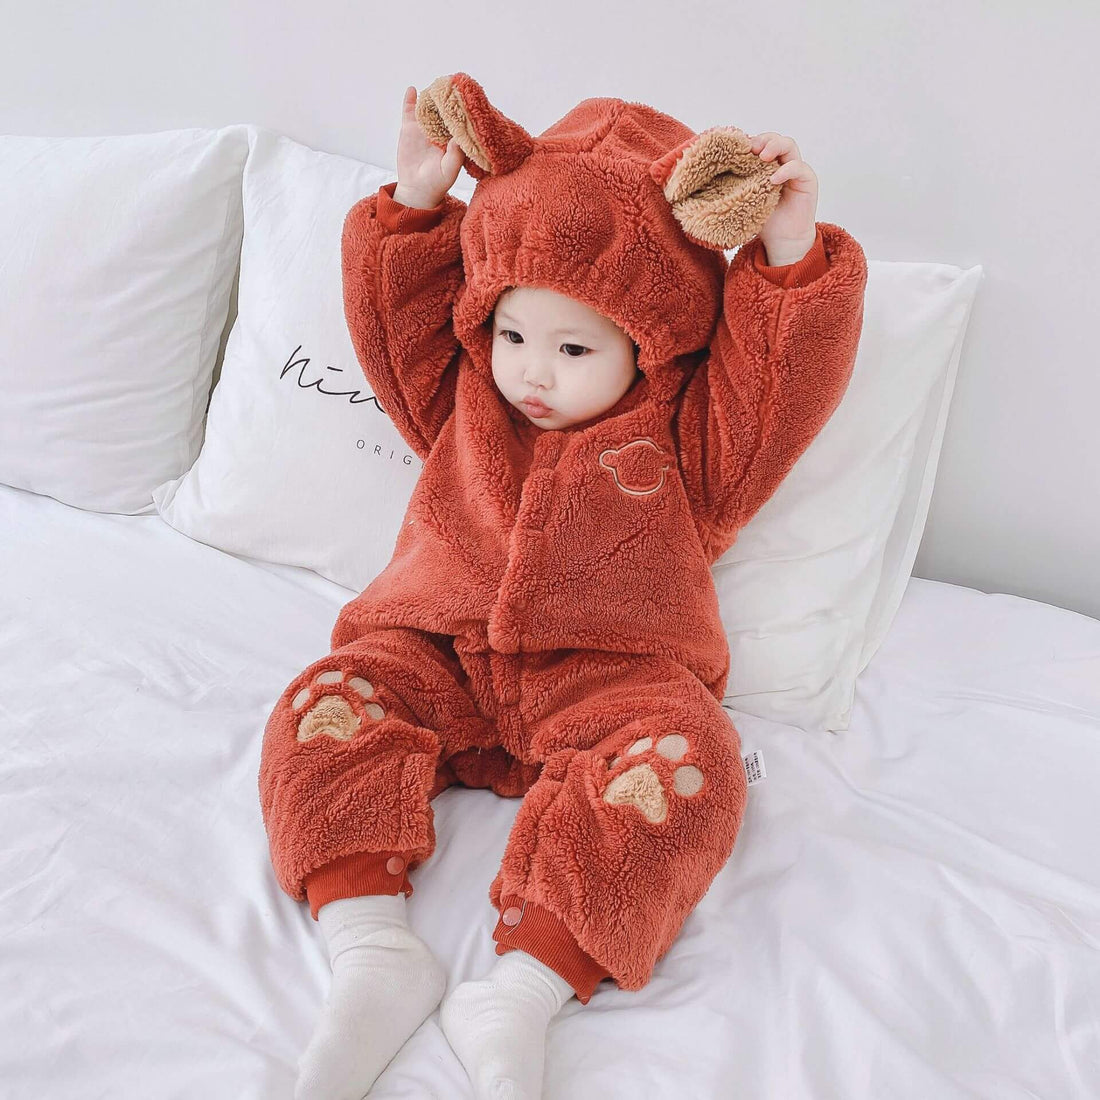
(456,106)
(720,190)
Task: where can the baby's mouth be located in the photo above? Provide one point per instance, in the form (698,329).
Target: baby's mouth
(535,407)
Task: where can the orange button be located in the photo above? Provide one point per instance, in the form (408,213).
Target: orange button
(395,865)
(511,915)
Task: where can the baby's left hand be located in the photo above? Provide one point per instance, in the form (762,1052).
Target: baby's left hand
(792,227)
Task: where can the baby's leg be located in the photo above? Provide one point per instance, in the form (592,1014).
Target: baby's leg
(616,843)
(351,759)
(385,983)
(612,848)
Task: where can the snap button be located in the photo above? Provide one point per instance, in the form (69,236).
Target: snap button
(511,915)
(395,865)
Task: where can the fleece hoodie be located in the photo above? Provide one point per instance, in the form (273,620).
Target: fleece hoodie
(601,534)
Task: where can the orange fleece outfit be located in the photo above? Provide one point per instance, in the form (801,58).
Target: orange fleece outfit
(547,626)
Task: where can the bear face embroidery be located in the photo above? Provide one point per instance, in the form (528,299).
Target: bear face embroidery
(638,467)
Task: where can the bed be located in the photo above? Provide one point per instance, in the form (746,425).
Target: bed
(912,908)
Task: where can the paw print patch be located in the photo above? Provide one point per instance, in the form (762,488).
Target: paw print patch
(333,714)
(638,467)
(641,787)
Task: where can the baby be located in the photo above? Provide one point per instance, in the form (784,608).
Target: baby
(601,403)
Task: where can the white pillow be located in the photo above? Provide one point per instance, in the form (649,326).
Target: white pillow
(300,465)
(117,257)
(810,587)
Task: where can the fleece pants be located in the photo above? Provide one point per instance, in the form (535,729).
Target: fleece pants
(630,772)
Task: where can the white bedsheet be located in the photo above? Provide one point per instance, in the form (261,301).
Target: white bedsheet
(912,908)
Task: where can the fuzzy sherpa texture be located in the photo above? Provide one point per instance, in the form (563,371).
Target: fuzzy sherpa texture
(547,626)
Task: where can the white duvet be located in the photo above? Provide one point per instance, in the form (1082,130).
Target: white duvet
(912,908)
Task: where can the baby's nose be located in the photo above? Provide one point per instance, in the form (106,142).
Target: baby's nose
(538,374)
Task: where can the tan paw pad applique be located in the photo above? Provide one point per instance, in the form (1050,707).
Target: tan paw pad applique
(332,714)
(641,787)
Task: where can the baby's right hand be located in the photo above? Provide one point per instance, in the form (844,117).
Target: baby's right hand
(425,173)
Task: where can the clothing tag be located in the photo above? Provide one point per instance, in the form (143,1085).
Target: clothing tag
(754,766)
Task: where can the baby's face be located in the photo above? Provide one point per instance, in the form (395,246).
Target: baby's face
(548,346)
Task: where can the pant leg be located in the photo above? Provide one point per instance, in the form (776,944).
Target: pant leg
(626,827)
(352,755)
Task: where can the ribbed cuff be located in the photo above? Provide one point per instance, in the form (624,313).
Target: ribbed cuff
(356,874)
(801,272)
(544,935)
(396,217)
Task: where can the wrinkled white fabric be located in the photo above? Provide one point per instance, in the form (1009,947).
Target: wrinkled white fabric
(924,886)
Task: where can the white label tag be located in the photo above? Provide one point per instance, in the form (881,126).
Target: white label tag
(754,766)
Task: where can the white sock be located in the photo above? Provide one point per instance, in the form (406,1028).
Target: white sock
(385,983)
(497,1025)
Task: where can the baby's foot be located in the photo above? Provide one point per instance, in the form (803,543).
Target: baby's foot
(497,1026)
(385,983)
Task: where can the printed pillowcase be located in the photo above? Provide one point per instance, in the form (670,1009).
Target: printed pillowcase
(300,465)
(809,589)
(117,256)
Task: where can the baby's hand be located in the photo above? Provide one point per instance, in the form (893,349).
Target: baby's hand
(425,173)
(792,227)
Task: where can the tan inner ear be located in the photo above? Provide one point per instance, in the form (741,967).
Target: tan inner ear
(442,115)
(728,211)
(714,151)
(720,189)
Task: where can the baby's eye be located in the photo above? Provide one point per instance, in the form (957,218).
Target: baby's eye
(511,332)
(580,350)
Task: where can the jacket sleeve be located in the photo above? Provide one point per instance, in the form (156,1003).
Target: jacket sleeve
(780,361)
(402,270)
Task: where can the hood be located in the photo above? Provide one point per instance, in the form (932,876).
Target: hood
(616,204)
